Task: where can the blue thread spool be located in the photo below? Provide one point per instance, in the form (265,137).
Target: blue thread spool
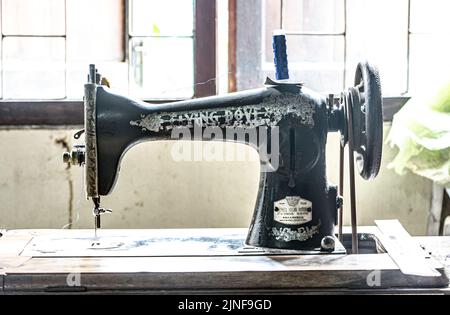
(280,57)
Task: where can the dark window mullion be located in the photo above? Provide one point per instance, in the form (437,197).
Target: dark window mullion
(205,48)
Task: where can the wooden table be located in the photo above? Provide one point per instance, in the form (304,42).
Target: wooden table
(197,261)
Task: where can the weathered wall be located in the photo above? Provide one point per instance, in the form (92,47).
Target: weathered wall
(154,191)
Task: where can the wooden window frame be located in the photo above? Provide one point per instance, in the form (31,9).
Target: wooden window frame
(53,113)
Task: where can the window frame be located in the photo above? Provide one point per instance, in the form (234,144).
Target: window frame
(53,113)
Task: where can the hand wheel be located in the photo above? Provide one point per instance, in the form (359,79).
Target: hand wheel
(366,104)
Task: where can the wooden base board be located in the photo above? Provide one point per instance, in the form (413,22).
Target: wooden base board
(22,269)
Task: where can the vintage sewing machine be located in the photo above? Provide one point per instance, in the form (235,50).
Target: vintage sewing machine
(296,207)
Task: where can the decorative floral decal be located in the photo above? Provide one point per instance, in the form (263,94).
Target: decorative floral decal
(301,234)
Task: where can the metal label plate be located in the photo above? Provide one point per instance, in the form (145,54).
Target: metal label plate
(292,210)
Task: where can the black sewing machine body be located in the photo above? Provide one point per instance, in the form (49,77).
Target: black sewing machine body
(295,207)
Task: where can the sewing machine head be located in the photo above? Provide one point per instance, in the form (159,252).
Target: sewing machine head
(296,207)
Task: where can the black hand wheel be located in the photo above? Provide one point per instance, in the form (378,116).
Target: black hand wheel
(367,109)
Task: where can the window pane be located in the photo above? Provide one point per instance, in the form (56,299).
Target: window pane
(318,61)
(31,17)
(431,16)
(429,61)
(100,39)
(168,17)
(377,31)
(161,67)
(325,16)
(33,67)
(272,16)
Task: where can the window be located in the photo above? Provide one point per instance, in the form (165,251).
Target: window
(161,48)
(406,39)
(144,47)
(33,49)
(315,40)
